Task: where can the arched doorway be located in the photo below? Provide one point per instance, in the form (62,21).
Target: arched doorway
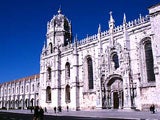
(114,92)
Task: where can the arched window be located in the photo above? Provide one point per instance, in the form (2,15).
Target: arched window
(48,94)
(67,70)
(22,89)
(149,61)
(9,91)
(27,88)
(90,73)
(13,90)
(33,88)
(49,73)
(68,100)
(115,60)
(17,89)
(50,47)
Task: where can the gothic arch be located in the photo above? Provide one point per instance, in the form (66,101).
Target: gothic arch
(48,94)
(114,91)
(146,60)
(88,73)
(67,70)
(67,94)
(49,73)
(115,59)
(50,47)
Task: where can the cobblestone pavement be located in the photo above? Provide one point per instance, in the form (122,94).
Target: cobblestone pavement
(124,114)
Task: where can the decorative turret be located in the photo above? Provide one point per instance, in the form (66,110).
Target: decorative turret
(75,45)
(99,40)
(111,30)
(111,21)
(59,31)
(125,34)
(99,32)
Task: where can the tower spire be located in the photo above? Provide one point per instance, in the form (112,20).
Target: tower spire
(99,28)
(124,19)
(111,17)
(59,10)
(125,34)
(111,29)
(111,21)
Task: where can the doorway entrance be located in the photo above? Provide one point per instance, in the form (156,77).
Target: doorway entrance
(115,100)
(114,92)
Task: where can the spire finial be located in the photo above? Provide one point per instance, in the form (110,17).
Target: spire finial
(59,10)
(124,19)
(111,18)
(99,28)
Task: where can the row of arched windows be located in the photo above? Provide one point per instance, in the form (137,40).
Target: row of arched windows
(67,72)
(67,94)
(148,57)
(19,89)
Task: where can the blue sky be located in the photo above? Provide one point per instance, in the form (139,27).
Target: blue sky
(23,27)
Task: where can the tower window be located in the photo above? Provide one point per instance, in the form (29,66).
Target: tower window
(67,70)
(48,94)
(49,73)
(68,94)
(50,48)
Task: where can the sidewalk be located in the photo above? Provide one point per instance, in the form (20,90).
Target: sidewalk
(100,114)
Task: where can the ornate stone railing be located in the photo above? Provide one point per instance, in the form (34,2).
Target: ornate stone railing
(87,39)
(130,24)
(134,23)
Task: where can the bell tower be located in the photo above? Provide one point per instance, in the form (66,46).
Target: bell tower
(58,36)
(59,31)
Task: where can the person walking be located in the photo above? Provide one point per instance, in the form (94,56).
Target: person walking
(152,108)
(31,108)
(41,113)
(45,109)
(67,108)
(36,113)
(55,110)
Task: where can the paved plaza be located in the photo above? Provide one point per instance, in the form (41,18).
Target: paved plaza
(119,114)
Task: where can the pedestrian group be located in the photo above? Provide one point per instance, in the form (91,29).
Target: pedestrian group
(38,113)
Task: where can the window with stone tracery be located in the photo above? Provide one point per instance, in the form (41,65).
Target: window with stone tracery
(67,70)
(49,73)
(48,94)
(115,60)
(149,61)
(90,73)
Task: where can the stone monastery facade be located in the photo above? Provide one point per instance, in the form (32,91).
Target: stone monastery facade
(114,69)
